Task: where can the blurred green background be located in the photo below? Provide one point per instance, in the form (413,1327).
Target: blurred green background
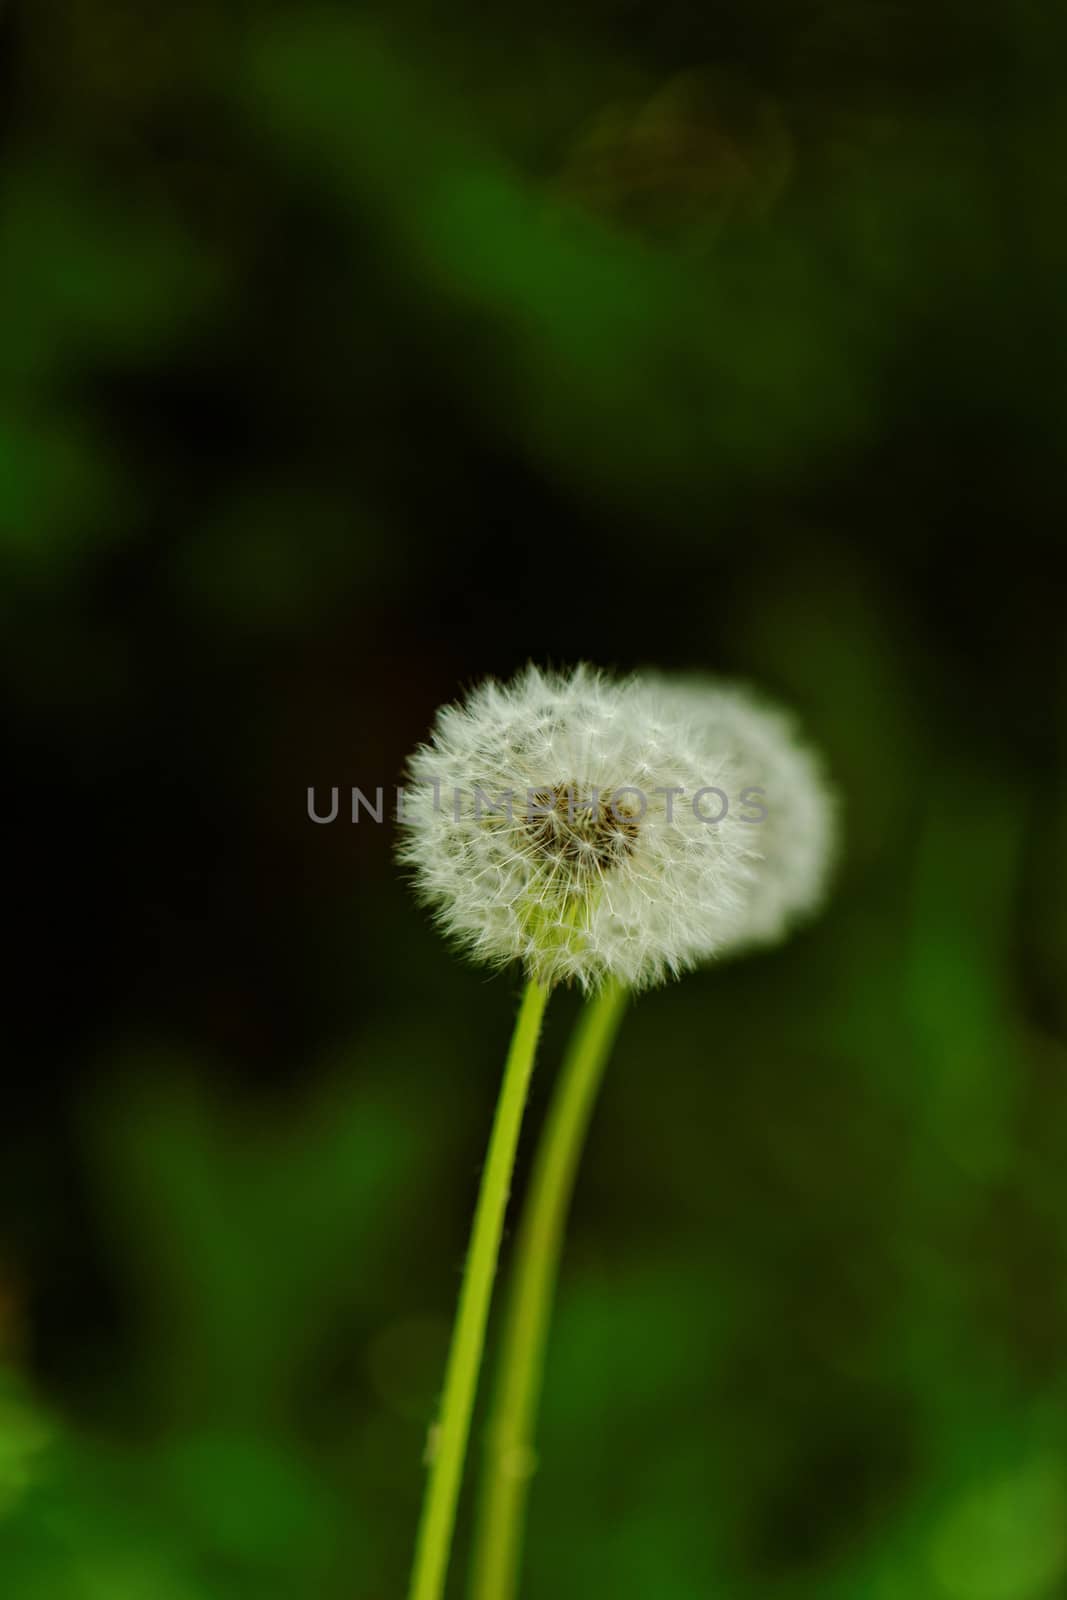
(347,355)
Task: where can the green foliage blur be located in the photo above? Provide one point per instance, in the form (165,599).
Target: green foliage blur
(348,354)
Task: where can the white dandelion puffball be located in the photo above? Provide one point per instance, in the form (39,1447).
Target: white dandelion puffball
(795,839)
(594,828)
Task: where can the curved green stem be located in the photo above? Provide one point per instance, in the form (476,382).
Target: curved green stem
(449,1443)
(510,1459)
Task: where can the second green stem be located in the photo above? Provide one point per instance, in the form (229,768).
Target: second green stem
(510,1459)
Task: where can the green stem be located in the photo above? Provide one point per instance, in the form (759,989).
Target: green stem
(468,1334)
(510,1458)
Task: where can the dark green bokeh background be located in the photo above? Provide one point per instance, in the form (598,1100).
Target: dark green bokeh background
(346,358)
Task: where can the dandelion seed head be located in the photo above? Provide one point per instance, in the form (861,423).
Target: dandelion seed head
(575,845)
(795,840)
